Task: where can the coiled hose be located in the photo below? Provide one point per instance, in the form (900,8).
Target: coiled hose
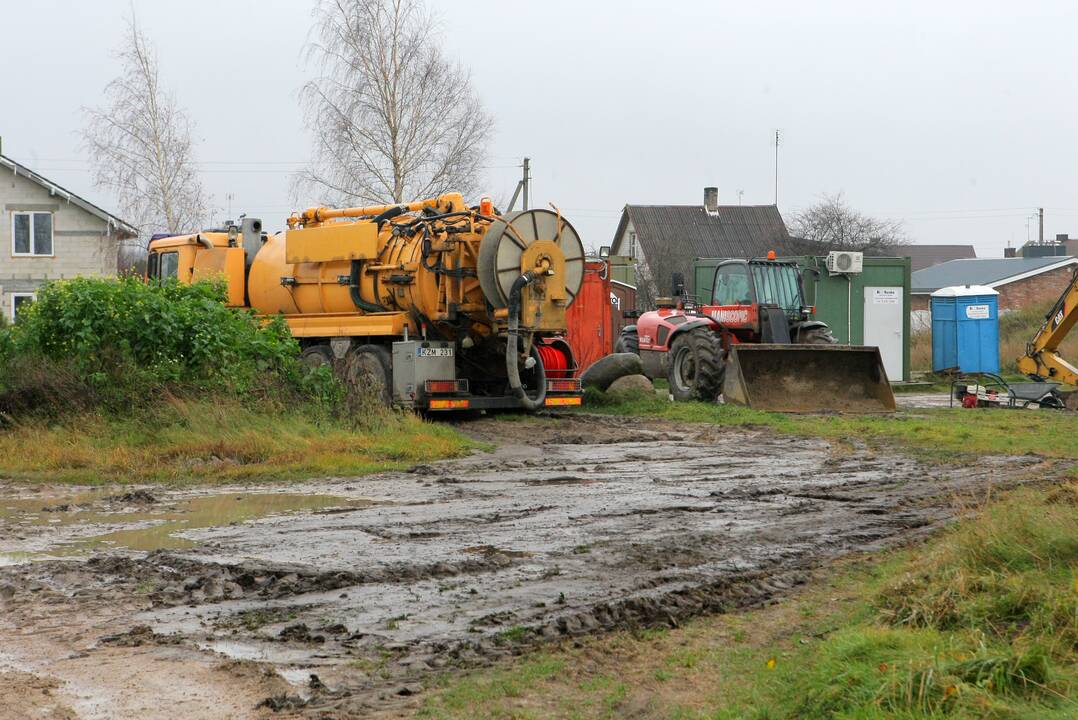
(512,366)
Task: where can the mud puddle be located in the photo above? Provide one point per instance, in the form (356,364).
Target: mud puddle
(571,526)
(63,525)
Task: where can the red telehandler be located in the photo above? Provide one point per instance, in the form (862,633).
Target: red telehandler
(754,343)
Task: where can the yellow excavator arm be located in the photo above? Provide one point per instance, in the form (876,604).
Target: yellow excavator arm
(1042,358)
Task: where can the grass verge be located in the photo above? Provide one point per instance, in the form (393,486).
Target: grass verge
(981,622)
(932,434)
(201,440)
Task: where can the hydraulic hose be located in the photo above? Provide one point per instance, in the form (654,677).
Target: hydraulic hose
(353,291)
(512,366)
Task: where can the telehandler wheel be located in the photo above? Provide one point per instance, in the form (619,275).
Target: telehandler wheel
(628,342)
(817,336)
(696,366)
(368,371)
(317,356)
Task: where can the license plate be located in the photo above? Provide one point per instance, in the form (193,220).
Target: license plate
(434,352)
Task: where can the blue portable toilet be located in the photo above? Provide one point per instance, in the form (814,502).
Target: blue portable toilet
(965,329)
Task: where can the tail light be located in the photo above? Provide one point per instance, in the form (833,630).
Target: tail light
(448,405)
(563,385)
(441,387)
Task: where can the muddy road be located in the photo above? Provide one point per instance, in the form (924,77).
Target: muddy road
(342,597)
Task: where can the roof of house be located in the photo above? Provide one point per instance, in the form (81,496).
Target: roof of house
(923,256)
(55,189)
(733,231)
(992,272)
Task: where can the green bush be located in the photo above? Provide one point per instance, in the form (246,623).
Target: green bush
(124,341)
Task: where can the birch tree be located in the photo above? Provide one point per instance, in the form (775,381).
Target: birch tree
(140,147)
(392,118)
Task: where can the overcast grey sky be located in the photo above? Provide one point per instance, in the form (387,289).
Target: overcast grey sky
(957,117)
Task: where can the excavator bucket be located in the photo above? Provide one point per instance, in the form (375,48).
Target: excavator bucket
(808,378)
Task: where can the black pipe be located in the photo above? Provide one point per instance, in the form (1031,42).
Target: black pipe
(353,290)
(512,366)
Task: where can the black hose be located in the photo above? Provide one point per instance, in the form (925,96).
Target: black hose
(353,290)
(353,276)
(512,366)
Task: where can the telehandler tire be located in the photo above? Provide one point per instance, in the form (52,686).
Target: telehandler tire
(696,366)
(368,371)
(628,342)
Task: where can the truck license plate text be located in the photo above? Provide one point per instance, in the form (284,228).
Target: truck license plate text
(434,352)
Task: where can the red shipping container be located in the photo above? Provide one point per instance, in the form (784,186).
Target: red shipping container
(589,318)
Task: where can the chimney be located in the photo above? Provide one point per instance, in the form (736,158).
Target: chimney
(711,200)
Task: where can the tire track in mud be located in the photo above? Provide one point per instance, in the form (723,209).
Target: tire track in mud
(571,526)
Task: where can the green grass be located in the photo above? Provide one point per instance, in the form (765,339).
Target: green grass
(206,441)
(981,622)
(947,435)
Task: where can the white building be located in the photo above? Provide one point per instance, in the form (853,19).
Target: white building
(49,233)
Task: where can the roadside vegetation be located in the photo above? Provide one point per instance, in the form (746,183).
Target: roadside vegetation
(981,622)
(113,380)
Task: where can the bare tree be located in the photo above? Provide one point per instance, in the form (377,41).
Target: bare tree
(832,224)
(140,145)
(393,120)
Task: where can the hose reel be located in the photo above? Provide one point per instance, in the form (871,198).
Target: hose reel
(503,246)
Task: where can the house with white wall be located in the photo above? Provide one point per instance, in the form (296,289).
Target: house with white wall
(48,233)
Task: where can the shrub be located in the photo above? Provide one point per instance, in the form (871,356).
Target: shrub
(118,341)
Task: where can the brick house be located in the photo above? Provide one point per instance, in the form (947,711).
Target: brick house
(49,233)
(1021,282)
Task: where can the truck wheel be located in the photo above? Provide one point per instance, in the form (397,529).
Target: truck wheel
(696,366)
(317,356)
(628,342)
(817,336)
(368,371)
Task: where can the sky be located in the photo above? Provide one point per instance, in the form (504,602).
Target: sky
(957,118)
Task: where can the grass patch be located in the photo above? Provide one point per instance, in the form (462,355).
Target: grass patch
(203,440)
(948,435)
(981,622)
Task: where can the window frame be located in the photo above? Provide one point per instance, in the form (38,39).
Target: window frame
(742,269)
(52,233)
(23,295)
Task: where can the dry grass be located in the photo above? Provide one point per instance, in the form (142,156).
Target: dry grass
(203,441)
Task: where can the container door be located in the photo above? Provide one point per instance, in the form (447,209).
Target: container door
(883,327)
(588,318)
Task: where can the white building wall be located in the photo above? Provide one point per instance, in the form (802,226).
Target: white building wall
(81,242)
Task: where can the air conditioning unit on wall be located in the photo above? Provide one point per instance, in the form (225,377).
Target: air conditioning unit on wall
(840,262)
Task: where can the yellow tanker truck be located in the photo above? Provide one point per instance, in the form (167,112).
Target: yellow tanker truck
(433,305)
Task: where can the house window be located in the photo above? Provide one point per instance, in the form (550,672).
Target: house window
(19,301)
(632,245)
(31,233)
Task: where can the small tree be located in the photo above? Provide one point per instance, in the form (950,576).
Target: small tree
(392,118)
(832,224)
(140,145)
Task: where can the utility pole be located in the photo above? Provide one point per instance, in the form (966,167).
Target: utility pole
(776,168)
(1040,226)
(527,178)
(522,185)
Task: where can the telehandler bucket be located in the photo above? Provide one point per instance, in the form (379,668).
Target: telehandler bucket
(808,378)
